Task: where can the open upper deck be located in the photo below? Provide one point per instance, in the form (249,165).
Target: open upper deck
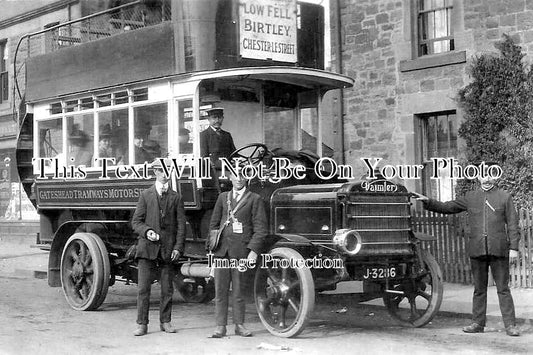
(150,40)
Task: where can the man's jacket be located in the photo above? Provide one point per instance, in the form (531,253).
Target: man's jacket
(251,214)
(216,145)
(492,227)
(171,227)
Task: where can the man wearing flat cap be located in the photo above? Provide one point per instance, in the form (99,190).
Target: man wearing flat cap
(492,241)
(159,220)
(216,143)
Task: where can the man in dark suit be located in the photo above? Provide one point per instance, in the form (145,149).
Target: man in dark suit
(492,241)
(159,219)
(244,226)
(216,143)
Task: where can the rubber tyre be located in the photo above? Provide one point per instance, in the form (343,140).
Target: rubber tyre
(428,291)
(85,272)
(299,299)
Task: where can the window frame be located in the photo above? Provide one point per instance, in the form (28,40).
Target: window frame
(425,153)
(418,28)
(4,72)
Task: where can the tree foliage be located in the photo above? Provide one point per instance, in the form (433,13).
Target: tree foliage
(497,124)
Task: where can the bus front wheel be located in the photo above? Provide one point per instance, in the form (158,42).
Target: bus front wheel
(284,295)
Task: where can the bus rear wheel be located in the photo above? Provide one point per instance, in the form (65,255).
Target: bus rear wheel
(85,271)
(414,302)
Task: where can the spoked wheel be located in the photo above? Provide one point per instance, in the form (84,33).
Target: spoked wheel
(284,296)
(193,289)
(85,271)
(414,302)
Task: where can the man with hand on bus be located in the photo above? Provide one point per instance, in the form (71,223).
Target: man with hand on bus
(159,219)
(493,241)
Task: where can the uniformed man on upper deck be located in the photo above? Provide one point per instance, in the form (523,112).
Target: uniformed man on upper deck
(216,143)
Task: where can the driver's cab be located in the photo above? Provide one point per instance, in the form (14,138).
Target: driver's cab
(273,111)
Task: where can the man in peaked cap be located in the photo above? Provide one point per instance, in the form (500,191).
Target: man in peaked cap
(159,220)
(216,143)
(492,241)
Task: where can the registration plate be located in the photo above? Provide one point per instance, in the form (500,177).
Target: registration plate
(376,273)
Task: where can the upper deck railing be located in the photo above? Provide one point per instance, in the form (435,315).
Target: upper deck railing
(124,18)
(103,24)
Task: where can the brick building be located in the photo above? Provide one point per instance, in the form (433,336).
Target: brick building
(409,58)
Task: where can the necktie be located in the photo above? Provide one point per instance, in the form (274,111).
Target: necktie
(162,206)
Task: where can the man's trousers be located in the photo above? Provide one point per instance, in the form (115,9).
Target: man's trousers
(499,267)
(223,278)
(148,268)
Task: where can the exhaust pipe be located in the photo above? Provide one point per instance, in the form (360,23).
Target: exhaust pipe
(195,270)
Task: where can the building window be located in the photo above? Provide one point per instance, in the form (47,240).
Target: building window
(434,26)
(4,84)
(437,134)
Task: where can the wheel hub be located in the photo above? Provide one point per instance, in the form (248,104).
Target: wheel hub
(78,271)
(279,291)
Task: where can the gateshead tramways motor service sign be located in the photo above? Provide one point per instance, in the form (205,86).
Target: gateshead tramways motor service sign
(268,30)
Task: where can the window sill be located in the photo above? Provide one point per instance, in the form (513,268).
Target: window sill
(433,61)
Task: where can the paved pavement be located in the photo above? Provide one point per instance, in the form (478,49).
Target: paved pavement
(19,259)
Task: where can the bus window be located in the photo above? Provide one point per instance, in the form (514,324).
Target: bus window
(281,106)
(279,124)
(113,135)
(50,138)
(185,132)
(240,100)
(309,120)
(151,131)
(80,140)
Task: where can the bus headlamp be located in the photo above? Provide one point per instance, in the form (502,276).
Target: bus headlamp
(347,241)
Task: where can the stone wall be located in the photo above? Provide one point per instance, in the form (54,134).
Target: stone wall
(392,86)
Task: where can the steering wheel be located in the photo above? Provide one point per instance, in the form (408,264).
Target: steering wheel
(253,153)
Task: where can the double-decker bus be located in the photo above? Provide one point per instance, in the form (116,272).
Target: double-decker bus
(114,90)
